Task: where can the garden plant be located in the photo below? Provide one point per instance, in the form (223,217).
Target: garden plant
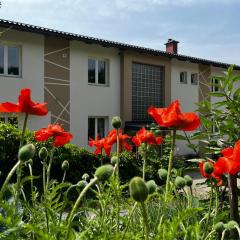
(42,197)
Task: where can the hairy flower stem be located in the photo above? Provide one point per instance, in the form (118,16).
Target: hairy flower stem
(118,148)
(233,200)
(144,162)
(145,220)
(44,176)
(74,209)
(31,175)
(170,162)
(129,219)
(210,207)
(64,176)
(49,169)
(19,169)
(23,130)
(9,176)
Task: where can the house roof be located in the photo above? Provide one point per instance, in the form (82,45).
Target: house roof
(106,43)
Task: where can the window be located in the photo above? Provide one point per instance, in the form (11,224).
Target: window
(10,60)
(13,120)
(97,125)
(194,78)
(183,77)
(147,89)
(98,71)
(215,82)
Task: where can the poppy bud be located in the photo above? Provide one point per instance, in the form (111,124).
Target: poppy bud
(219,227)
(85,176)
(208,167)
(231,225)
(180,182)
(82,184)
(188,180)
(114,160)
(162,173)
(138,189)
(116,122)
(104,172)
(43,153)
(152,186)
(26,152)
(65,165)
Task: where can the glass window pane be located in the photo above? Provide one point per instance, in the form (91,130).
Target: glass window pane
(91,71)
(91,128)
(101,72)
(1,59)
(13,60)
(13,121)
(101,127)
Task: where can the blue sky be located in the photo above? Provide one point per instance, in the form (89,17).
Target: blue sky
(205,28)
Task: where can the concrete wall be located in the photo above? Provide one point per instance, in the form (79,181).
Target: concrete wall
(187,94)
(90,100)
(32,68)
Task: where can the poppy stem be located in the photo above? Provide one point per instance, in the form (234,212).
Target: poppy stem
(23,130)
(31,175)
(118,147)
(170,162)
(49,168)
(71,214)
(145,220)
(144,162)
(9,176)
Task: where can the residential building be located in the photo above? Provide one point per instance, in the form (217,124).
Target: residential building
(86,81)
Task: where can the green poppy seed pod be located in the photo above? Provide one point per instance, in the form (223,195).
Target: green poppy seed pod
(231,225)
(162,173)
(152,186)
(180,182)
(43,153)
(116,122)
(114,160)
(138,189)
(65,165)
(188,180)
(26,152)
(104,172)
(85,176)
(208,167)
(82,184)
(219,227)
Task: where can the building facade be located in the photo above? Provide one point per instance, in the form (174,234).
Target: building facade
(86,81)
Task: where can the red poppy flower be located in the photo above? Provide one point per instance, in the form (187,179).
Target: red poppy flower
(100,144)
(230,162)
(173,117)
(145,136)
(60,137)
(25,105)
(217,172)
(123,138)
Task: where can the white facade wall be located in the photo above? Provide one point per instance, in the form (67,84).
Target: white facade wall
(32,72)
(187,94)
(91,100)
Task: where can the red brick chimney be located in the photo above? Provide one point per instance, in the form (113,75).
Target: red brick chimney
(172,46)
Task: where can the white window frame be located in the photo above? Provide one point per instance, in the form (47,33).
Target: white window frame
(192,82)
(185,77)
(96,124)
(215,88)
(5,60)
(106,84)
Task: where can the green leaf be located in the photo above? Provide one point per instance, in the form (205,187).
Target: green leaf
(216,94)
(180,137)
